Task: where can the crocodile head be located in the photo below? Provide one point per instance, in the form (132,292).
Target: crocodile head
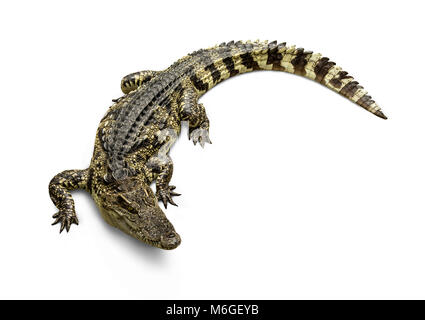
(132,207)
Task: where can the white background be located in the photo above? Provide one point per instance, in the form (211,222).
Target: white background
(301,195)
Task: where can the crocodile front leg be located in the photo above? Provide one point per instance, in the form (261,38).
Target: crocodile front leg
(163,165)
(195,113)
(164,191)
(59,190)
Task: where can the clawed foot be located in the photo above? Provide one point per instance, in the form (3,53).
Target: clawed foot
(65,218)
(165,195)
(200,135)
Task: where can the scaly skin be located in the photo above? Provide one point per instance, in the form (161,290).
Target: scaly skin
(135,136)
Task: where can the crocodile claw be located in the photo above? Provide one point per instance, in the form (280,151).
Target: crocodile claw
(200,135)
(65,218)
(165,195)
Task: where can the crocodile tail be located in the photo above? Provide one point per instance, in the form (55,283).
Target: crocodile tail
(229,59)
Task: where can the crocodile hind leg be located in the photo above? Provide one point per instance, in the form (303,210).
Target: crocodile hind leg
(162,165)
(195,113)
(135,80)
(59,190)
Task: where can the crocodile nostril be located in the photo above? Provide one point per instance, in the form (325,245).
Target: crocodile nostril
(170,241)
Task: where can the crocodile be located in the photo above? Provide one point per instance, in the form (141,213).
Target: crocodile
(134,137)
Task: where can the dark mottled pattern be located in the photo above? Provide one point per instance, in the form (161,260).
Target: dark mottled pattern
(201,86)
(322,68)
(248,61)
(230,65)
(273,55)
(300,61)
(350,89)
(214,72)
(365,101)
(336,81)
